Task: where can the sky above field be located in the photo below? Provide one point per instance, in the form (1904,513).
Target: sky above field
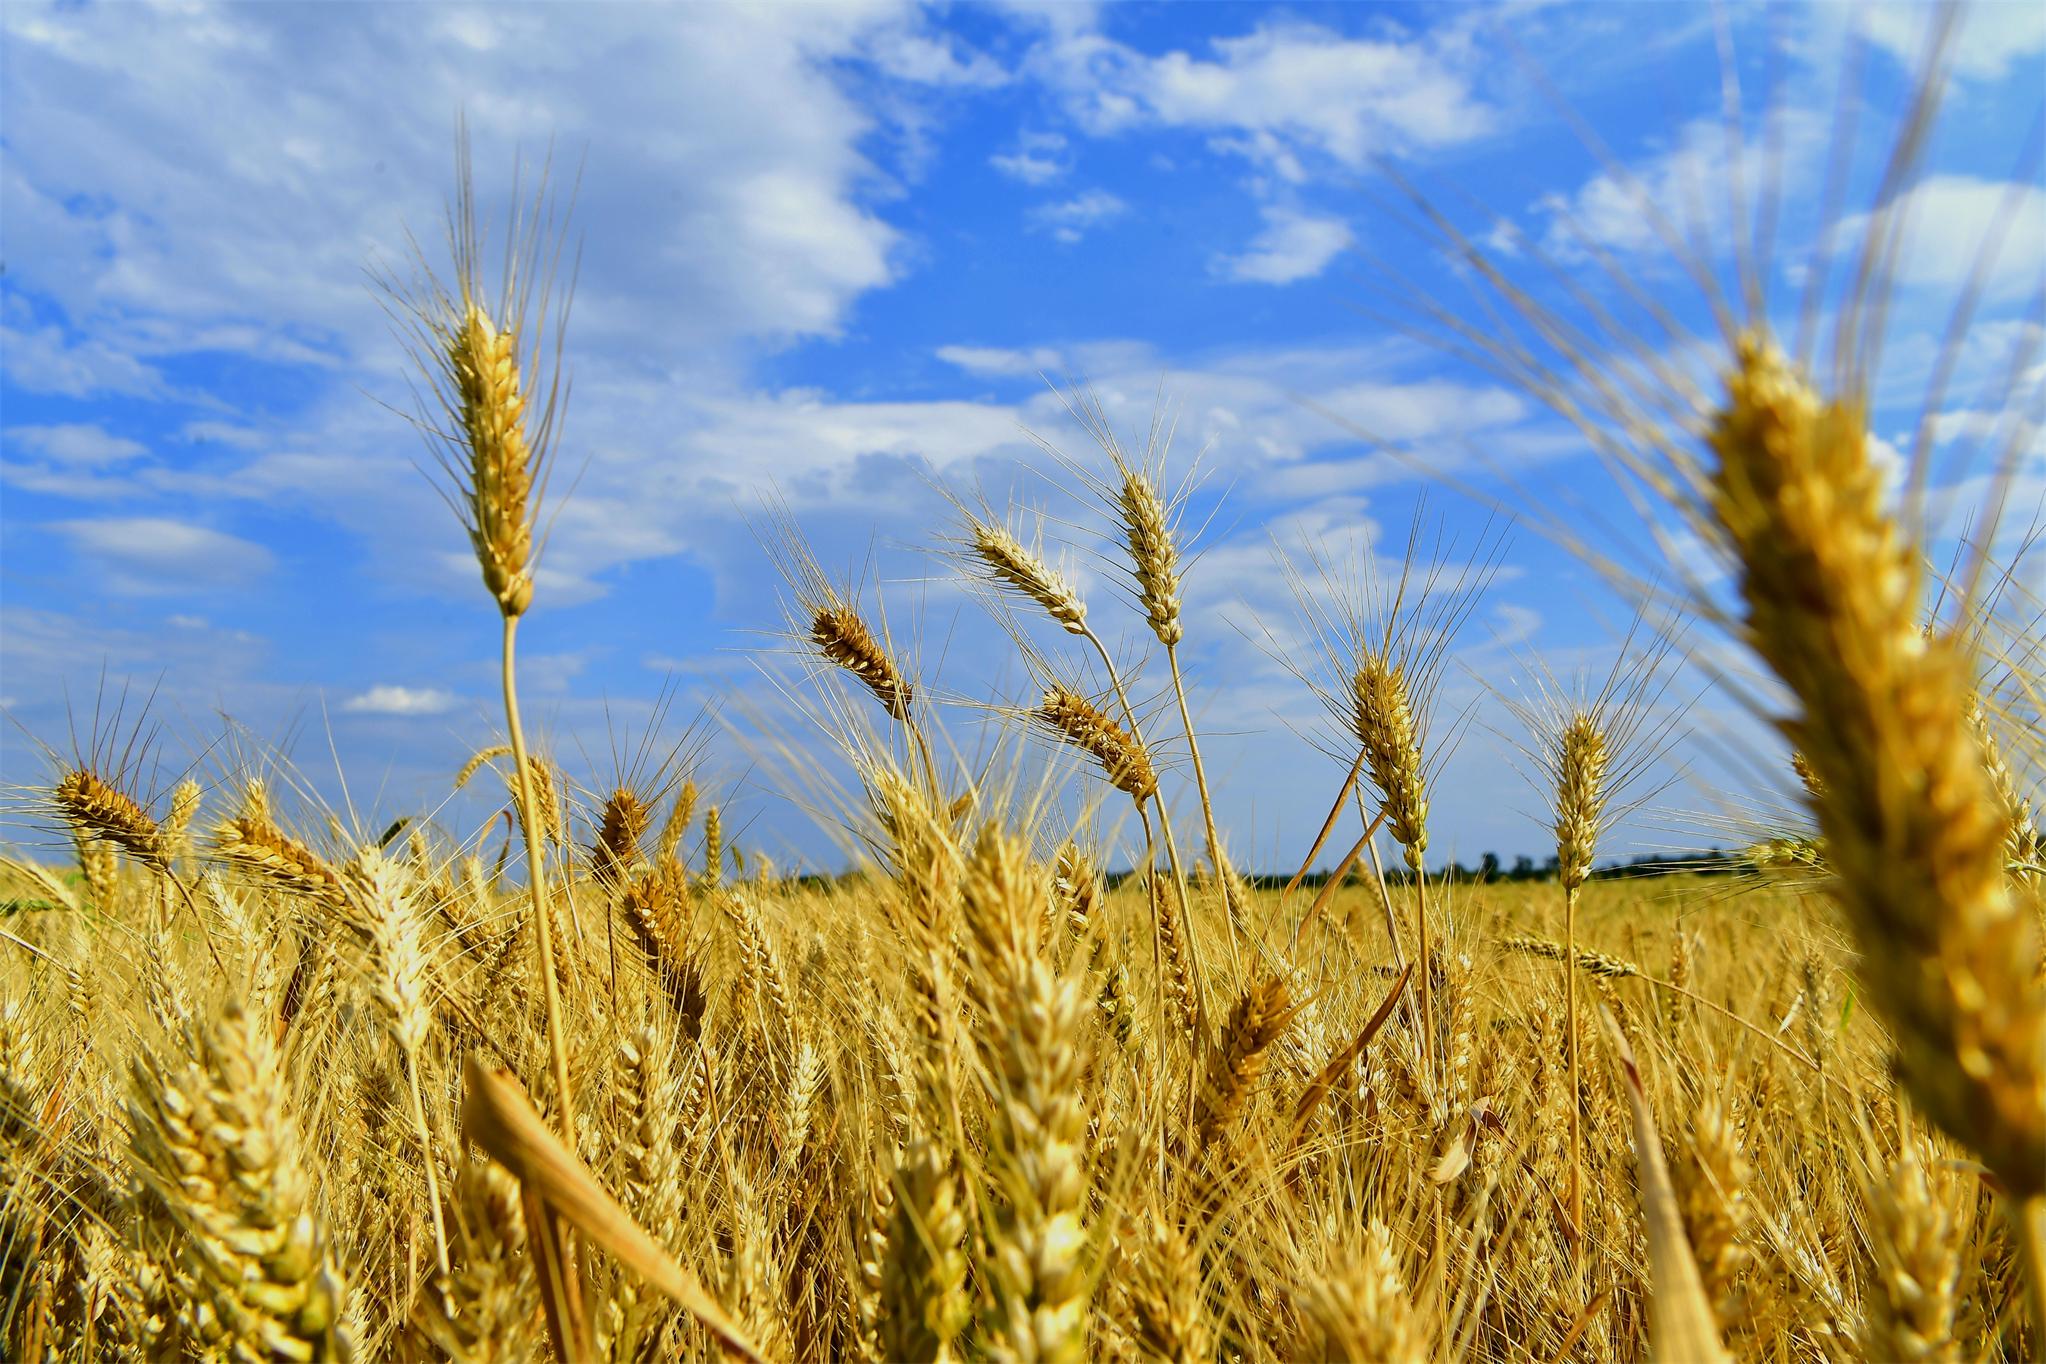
(832,254)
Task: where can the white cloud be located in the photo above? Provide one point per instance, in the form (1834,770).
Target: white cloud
(1992,37)
(153,555)
(996,360)
(166,166)
(1281,91)
(75,443)
(1949,219)
(1677,191)
(1292,246)
(1070,219)
(925,59)
(1038,159)
(41,359)
(394,700)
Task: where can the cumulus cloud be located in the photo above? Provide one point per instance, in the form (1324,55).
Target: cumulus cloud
(1992,39)
(394,700)
(1281,92)
(1949,220)
(743,207)
(1293,246)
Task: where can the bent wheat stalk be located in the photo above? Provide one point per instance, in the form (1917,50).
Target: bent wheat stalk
(503,1123)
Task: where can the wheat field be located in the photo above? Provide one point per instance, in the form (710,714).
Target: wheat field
(1046,1076)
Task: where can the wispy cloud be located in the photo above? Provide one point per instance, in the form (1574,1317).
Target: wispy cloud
(155,555)
(1038,158)
(1292,246)
(1951,219)
(1071,219)
(999,360)
(74,443)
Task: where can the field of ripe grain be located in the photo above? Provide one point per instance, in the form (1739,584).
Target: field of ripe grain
(859,1139)
(1016,1087)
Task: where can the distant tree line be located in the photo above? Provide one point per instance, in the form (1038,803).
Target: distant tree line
(1490,868)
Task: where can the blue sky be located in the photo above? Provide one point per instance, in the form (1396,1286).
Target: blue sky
(831,249)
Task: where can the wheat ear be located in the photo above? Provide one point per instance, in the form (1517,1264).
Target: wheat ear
(212,1142)
(923,1274)
(1078,721)
(1360,1308)
(620,826)
(1383,720)
(1009,562)
(1915,833)
(1260,1014)
(842,636)
(1038,1059)
(1912,1233)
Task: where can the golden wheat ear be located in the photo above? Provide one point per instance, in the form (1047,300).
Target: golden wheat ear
(995,555)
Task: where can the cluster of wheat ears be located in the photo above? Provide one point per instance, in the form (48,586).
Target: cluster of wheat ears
(270,1090)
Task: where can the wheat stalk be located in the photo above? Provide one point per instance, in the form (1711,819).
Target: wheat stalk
(402,981)
(492,420)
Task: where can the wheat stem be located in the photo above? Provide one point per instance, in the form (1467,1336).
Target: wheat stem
(1570,1043)
(1328,826)
(536,881)
(440,1231)
(1164,819)
(1232,897)
(1427,954)
(2030,1216)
